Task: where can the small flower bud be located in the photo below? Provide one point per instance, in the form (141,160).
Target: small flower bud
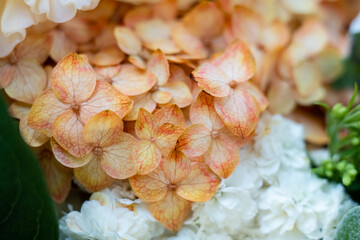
(339,110)
(341,166)
(346,180)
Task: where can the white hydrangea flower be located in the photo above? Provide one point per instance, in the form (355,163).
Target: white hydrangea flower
(297,201)
(113,213)
(17,15)
(233,206)
(278,142)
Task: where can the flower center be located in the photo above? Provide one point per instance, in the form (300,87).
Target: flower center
(13,59)
(214,133)
(155,88)
(46,154)
(98,151)
(233,84)
(75,107)
(172,186)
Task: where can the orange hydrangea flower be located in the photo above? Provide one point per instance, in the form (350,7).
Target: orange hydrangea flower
(74,97)
(111,154)
(237,101)
(156,140)
(208,137)
(172,187)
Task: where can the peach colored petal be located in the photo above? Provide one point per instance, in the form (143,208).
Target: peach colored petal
(166,137)
(145,126)
(127,40)
(171,211)
(103,129)
(106,73)
(18,109)
(281,98)
(307,41)
(177,73)
(180,93)
(28,81)
(117,160)
(316,96)
(223,155)
(246,24)
(167,46)
(202,111)
(314,126)
(7,72)
(32,137)
(159,66)
(236,62)
(330,65)
(105,97)
(275,35)
(195,140)
(35,46)
(212,80)
(205,20)
(137,15)
(82,29)
(170,114)
(187,42)
(166,10)
(176,166)
(58,178)
(106,38)
(307,78)
(150,188)
(161,97)
(155,34)
(68,131)
(153,30)
(92,176)
(108,57)
(68,160)
(73,80)
(137,62)
(239,111)
(133,81)
(140,101)
(200,185)
(61,45)
(44,111)
(256,93)
(148,157)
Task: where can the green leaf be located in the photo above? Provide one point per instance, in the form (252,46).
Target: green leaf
(349,226)
(29,211)
(10,184)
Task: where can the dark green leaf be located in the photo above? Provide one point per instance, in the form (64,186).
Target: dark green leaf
(31,214)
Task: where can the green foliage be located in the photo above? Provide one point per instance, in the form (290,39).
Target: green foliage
(26,209)
(343,129)
(349,226)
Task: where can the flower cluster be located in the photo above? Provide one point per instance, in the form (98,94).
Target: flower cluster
(164,93)
(280,201)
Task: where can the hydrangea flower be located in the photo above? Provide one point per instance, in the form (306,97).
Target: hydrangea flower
(21,14)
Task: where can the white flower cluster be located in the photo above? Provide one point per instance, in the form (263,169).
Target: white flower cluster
(272,195)
(17,15)
(112,214)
